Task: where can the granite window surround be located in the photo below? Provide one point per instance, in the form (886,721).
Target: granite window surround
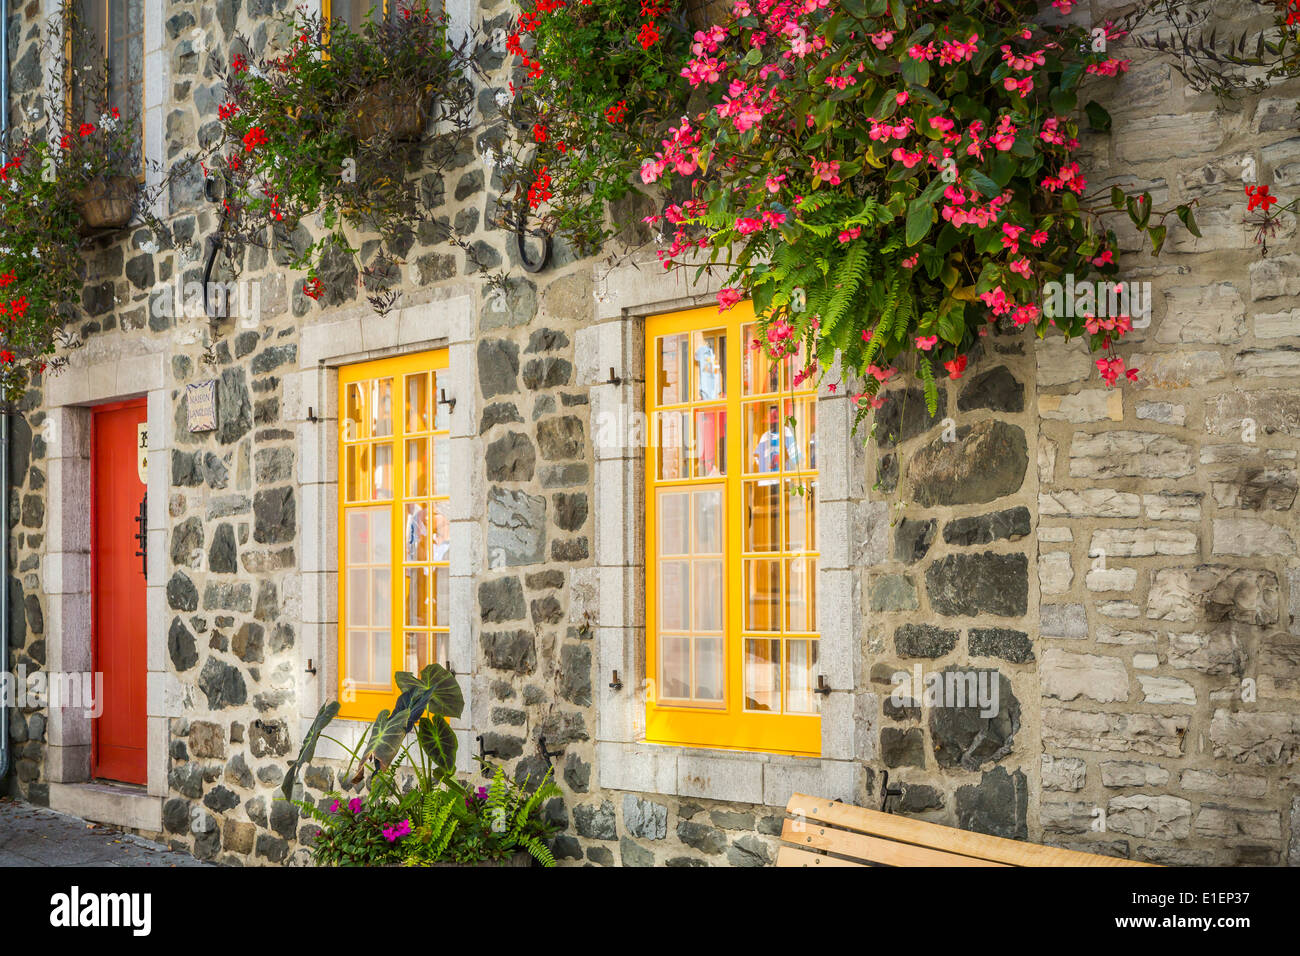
(625,294)
(348,336)
(157,86)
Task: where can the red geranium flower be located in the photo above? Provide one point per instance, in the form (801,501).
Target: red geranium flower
(539,133)
(647,36)
(617,112)
(1259,197)
(313,288)
(253,138)
(955,366)
(86,129)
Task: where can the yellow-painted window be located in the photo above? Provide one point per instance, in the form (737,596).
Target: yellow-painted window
(356,12)
(731,563)
(393,526)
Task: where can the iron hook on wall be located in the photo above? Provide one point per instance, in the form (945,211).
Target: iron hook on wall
(521,248)
(547,754)
(886,791)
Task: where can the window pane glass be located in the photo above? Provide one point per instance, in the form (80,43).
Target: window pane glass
(800,516)
(674,369)
(770,441)
(441,597)
(442,649)
(417,467)
(762,595)
(358,597)
(760,374)
(762,516)
(417,403)
(416,537)
(358,469)
(383,473)
(442,413)
(801,587)
(417,597)
(417,652)
(441,466)
(711,442)
(708,522)
(674,523)
(675,667)
(805,426)
(382,413)
(708,668)
(381,597)
(710,357)
(381,536)
(673,438)
(707,595)
(763,675)
(358,657)
(381,665)
(674,596)
(358,535)
(800,673)
(356,422)
(441,535)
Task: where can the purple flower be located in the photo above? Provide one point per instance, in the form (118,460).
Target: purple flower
(482,793)
(334,807)
(393,834)
(354,805)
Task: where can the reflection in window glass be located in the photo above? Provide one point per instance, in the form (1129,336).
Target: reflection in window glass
(763,675)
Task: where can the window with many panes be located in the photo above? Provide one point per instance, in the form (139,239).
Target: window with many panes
(115,29)
(356,12)
(731,564)
(393,525)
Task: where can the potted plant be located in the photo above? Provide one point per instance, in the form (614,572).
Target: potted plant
(438,820)
(334,126)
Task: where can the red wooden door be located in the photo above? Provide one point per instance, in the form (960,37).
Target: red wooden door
(118,591)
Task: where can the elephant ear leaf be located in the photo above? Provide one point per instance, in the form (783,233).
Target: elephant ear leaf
(438,741)
(384,742)
(435,690)
(308,750)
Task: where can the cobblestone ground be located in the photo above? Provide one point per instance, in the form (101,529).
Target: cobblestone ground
(35,836)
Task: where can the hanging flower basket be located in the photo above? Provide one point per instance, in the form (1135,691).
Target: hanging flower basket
(400,115)
(107,202)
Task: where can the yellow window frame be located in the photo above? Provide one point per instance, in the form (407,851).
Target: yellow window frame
(363,702)
(729,726)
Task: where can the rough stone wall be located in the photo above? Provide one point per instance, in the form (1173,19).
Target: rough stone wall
(1120,676)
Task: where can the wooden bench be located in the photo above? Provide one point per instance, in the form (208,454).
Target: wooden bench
(825,833)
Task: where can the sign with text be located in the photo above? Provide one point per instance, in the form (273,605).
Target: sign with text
(201,405)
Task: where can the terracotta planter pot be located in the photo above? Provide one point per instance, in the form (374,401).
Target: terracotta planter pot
(400,114)
(107,202)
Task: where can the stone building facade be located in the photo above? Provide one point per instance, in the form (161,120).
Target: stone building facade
(1122,562)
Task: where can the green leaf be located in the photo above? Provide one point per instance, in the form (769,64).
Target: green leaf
(1185,215)
(1157,234)
(436,690)
(919,213)
(899,11)
(438,741)
(987,187)
(384,741)
(1097,116)
(308,749)
(1117,197)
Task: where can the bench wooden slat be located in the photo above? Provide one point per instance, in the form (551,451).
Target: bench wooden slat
(862,847)
(793,856)
(950,839)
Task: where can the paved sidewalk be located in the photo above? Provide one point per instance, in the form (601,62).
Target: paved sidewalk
(35,836)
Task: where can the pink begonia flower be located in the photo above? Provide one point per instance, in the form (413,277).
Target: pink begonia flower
(1038,238)
(902,98)
(1022,267)
(882,39)
(941,123)
(848,235)
(827,171)
(926,342)
(910,261)
(727,298)
(1025,314)
(1065,6)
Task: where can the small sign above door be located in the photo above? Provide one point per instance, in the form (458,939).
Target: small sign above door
(201,405)
(142,451)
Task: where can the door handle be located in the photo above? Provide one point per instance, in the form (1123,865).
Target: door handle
(142,536)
